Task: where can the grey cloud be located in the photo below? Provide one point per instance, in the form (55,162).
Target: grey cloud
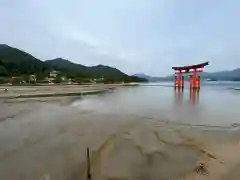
(138,35)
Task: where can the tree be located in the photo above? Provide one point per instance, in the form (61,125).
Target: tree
(3,71)
(58,79)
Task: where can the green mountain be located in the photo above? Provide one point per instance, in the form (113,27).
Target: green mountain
(92,71)
(74,70)
(64,65)
(15,62)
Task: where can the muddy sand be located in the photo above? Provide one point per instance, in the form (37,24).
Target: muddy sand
(48,141)
(12,92)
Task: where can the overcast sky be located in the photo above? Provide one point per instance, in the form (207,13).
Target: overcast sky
(135,36)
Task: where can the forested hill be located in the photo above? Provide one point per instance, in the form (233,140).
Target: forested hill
(85,71)
(15,62)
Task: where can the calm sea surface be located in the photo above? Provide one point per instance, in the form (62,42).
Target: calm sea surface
(217,103)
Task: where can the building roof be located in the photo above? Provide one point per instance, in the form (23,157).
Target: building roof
(191,66)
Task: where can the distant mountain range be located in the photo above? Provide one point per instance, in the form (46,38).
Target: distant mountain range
(150,78)
(15,62)
(231,75)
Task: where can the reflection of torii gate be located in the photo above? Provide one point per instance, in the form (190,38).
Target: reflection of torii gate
(193,71)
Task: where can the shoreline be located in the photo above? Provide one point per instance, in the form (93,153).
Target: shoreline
(16,92)
(59,94)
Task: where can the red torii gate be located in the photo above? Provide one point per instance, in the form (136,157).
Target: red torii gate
(193,71)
